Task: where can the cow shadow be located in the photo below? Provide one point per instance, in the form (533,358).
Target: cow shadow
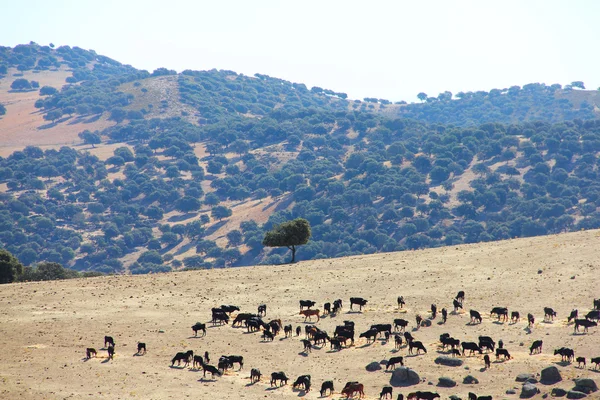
(203,379)
(105,360)
(394,350)
(177,366)
(563,363)
(138,354)
(366,345)
(272,388)
(301,392)
(196,337)
(498,323)
(579,333)
(354,312)
(303,354)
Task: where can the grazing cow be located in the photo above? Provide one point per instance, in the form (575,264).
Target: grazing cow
(349,325)
(487,345)
(585,323)
(345,335)
(288,330)
(486,339)
(336,344)
(502,352)
(448,341)
(224,364)
(199,327)
(593,315)
(306,303)
(267,335)
(433,311)
(278,376)
(595,360)
(471,346)
(353,387)
(275,326)
(344,328)
(326,308)
(197,361)
(401,301)
(298,331)
(141,346)
(457,304)
(370,334)
(387,390)
(409,338)
(455,352)
(418,319)
(549,313)
(382,328)
(486,360)
(460,297)
(211,369)
(89,351)
(262,310)
(397,341)
(422,396)
(475,316)
(358,300)
(304,381)
(254,325)
(501,312)
(185,357)
(416,345)
(337,306)
(536,347)
(309,313)
(307,346)
(530,320)
(580,360)
(393,361)
(515,317)
(596,304)
(206,358)
(320,337)
(109,340)
(444,315)
(325,386)
(401,323)
(242,317)
(235,359)
(310,331)
(500,344)
(255,375)
(566,354)
(574,314)
(220,318)
(111,351)
(229,308)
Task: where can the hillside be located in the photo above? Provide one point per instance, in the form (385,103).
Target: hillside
(190,170)
(48,325)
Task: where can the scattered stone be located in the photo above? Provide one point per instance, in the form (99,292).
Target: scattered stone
(539,271)
(574,394)
(532,380)
(511,391)
(444,381)
(528,390)
(161,331)
(524,377)
(558,392)
(585,385)
(374,366)
(449,361)
(550,376)
(470,380)
(404,376)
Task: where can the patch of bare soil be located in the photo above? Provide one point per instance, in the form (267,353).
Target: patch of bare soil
(46,326)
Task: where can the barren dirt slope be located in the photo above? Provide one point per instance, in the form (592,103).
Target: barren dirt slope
(45,327)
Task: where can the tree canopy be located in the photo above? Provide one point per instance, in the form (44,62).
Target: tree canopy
(289,234)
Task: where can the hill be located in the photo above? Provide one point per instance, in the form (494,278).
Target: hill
(190,170)
(48,325)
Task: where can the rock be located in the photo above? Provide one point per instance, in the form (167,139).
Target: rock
(585,385)
(446,382)
(524,377)
(528,390)
(404,376)
(574,394)
(511,391)
(558,392)
(550,376)
(449,361)
(470,379)
(454,397)
(374,366)
(532,380)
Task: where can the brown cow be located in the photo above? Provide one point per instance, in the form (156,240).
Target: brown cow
(309,313)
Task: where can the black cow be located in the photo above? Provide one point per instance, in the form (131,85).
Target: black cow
(530,320)
(262,310)
(358,300)
(393,361)
(387,390)
(275,326)
(409,338)
(186,357)
(515,317)
(220,317)
(109,340)
(500,344)
(211,369)
(344,336)
(304,381)
(229,308)
(298,331)
(573,316)
(486,360)
(370,334)
(566,354)
(422,396)
(585,323)
(418,320)
(549,313)
(278,376)
(501,312)
(502,352)
(457,304)
(337,306)
(141,346)
(449,341)
(475,316)
(416,345)
(255,375)
(444,315)
(321,337)
(397,341)
(343,328)
(471,346)
(326,308)
(487,342)
(111,351)
(336,344)
(197,361)
(349,325)
(235,359)
(224,364)
(596,304)
(382,328)
(473,396)
(242,317)
(399,322)
(400,396)
(401,301)
(325,386)
(267,335)
(595,360)
(307,345)
(580,360)
(89,351)
(206,358)
(593,315)
(460,297)
(455,352)
(306,303)
(536,347)
(288,330)
(433,311)
(199,327)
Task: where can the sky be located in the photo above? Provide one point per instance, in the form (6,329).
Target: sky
(385,49)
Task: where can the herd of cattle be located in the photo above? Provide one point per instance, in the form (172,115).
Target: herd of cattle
(344,335)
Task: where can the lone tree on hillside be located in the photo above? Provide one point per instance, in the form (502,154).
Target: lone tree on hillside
(422,96)
(10,267)
(289,234)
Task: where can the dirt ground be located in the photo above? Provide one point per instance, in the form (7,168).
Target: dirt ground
(45,327)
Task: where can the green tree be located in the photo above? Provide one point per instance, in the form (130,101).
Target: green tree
(10,267)
(88,137)
(422,96)
(20,84)
(220,212)
(289,234)
(2,109)
(53,115)
(48,91)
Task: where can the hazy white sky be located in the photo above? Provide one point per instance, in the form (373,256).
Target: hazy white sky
(384,49)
